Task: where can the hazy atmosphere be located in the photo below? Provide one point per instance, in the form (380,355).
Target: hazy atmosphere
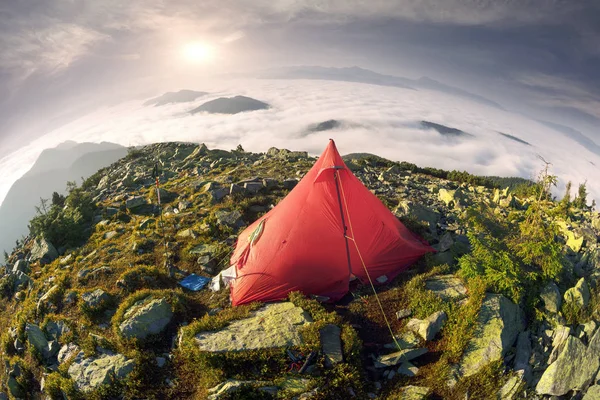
(300,199)
(77,69)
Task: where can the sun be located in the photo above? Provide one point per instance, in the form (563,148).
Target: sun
(197,52)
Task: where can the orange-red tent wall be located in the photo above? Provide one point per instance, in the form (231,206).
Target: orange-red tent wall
(301,244)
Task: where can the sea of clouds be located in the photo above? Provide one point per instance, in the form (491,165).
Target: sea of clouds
(376,119)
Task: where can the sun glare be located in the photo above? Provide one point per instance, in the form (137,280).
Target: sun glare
(198,52)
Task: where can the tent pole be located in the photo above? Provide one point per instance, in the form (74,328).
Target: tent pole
(337,188)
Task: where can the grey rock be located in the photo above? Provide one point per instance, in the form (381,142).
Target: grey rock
(290,183)
(446,242)
(161,361)
(67,351)
(253,187)
(274,325)
(511,388)
(390,360)
(448,287)
(146,223)
(551,297)
(578,295)
(574,368)
(428,327)
(55,329)
(407,369)
(559,337)
(230,218)
(135,202)
(404,313)
(593,393)
(499,323)
(146,317)
(331,344)
(90,373)
(21,266)
(522,355)
(43,251)
(95,299)
(111,234)
(38,340)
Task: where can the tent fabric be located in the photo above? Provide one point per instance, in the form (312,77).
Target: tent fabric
(301,244)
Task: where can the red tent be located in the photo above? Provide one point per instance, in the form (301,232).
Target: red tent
(314,239)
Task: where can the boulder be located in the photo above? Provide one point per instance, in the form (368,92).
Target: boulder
(574,368)
(574,242)
(578,295)
(451,198)
(499,323)
(43,251)
(419,211)
(90,373)
(95,299)
(551,297)
(445,243)
(559,338)
(135,202)
(21,266)
(522,356)
(511,388)
(593,393)
(230,218)
(146,317)
(429,327)
(55,329)
(253,187)
(448,287)
(274,325)
(38,340)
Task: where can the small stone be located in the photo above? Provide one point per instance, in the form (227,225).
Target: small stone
(331,344)
(428,327)
(404,313)
(408,369)
(389,360)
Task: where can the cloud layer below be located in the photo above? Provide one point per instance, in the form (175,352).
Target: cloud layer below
(380,120)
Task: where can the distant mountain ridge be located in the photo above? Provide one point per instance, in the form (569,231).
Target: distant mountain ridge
(69,161)
(231,105)
(182,96)
(361,75)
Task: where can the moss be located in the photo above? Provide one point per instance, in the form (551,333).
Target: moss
(57,386)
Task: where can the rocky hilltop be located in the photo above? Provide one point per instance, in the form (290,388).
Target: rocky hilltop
(105,297)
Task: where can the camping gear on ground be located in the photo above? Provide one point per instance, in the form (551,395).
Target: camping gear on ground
(329,229)
(194,282)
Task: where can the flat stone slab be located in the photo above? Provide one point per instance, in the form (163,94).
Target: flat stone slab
(448,287)
(274,325)
(389,360)
(331,344)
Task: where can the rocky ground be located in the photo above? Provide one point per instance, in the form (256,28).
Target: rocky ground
(103,314)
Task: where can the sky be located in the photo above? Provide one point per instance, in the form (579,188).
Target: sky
(65,63)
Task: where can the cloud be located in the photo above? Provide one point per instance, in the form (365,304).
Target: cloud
(382,120)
